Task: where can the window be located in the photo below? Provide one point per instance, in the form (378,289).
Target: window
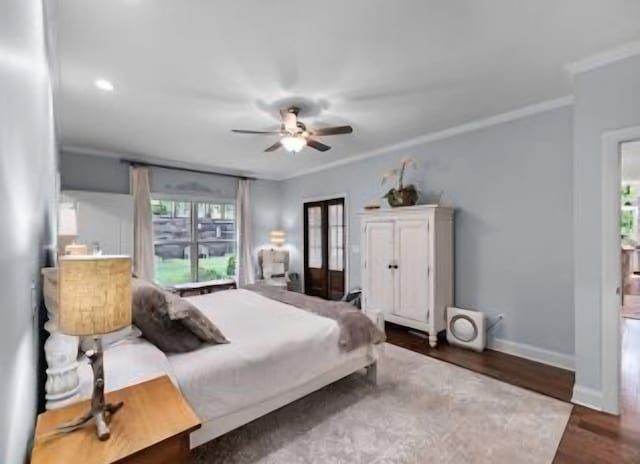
(229,211)
(193,240)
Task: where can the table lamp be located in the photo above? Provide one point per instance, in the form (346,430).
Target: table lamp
(278,237)
(94,297)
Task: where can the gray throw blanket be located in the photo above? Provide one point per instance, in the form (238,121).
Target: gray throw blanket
(356,329)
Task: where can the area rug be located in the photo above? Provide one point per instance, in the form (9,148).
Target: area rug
(422,411)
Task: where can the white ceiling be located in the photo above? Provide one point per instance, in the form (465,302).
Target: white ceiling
(186,72)
(631,162)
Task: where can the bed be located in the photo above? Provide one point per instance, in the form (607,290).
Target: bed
(278,353)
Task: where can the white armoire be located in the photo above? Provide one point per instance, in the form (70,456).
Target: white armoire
(407,265)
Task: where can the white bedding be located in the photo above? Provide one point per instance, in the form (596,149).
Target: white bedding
(274,349)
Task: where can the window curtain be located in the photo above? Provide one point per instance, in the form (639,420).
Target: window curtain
(142,228)
(245,273)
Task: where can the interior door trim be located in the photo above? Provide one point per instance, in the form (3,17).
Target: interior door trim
(347,238)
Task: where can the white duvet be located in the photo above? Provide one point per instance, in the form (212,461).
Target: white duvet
(274,348)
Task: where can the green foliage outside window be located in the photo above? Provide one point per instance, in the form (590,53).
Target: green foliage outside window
(626,215)
(626,224)
(178,271)
(231,266)
(160,208)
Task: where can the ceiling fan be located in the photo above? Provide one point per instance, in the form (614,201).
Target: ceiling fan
(295,135)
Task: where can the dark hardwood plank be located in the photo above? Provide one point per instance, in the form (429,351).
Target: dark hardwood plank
(550,381)
(594,437)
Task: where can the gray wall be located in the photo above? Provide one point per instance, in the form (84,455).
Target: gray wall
(265,203)
(511,186)
(606,99)
(192,184)
(27,186)
(79,171)
(93,173)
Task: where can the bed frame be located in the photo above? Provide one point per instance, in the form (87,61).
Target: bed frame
(222,425)
(63,386)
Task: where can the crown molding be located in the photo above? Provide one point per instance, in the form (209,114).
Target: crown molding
(602,59)
(446,133)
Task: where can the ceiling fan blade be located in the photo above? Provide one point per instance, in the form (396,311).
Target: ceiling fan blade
(274,147)
(242,131)
(318,145)
(336,130)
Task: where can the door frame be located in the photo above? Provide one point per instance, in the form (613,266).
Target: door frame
(610,277)
(347,251)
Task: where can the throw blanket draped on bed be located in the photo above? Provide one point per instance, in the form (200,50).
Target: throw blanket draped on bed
(356,329)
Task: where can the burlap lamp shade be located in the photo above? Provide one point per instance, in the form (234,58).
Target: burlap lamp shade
(94,294)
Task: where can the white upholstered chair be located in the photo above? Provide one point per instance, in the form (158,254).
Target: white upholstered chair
(273,266)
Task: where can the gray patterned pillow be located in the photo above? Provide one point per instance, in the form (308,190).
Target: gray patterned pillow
(182,310)
(151,316)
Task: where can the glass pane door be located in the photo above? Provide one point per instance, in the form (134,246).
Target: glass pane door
(336,237)
(314,232)
(324,248)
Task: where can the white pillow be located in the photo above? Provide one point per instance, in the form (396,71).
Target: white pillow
(111,339)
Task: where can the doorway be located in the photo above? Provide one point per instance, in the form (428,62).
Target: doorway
(630,228)
(324,248)
(629,400)
(620,332)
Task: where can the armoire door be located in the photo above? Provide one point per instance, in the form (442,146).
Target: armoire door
(412,272)
(379,266)
(324,248)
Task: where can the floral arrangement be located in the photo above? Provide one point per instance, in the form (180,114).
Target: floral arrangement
(401,195)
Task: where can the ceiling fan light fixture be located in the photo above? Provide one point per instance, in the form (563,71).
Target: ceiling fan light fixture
(104,85)
(295,135)
(293,143)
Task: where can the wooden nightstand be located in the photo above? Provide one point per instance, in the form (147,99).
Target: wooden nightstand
(152,427)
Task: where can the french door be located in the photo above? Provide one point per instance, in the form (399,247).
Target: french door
(324,248)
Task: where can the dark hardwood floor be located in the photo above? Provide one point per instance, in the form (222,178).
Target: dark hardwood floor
(593,437)
(590,437)
(550,381)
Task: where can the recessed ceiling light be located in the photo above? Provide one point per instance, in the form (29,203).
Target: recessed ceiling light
(104,85)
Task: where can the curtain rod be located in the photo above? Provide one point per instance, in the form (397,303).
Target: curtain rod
(199,171)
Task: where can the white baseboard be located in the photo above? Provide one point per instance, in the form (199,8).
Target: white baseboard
(533,353)
(585,396)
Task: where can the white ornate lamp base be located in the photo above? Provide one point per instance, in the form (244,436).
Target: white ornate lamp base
(63,382)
